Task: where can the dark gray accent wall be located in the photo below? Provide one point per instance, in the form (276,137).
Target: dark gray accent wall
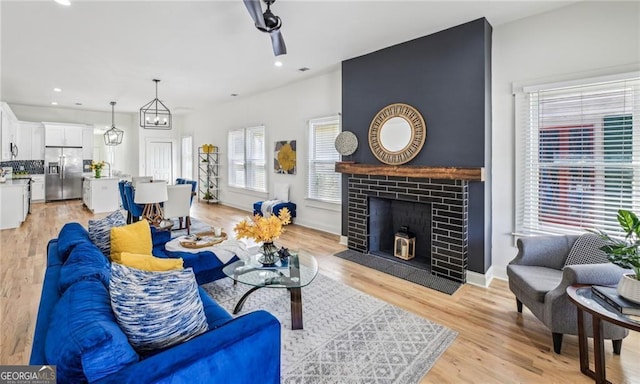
(447,77)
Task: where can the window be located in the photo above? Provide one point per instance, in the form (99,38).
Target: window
(247,162)
(187,157)
(579,156)
(324,183)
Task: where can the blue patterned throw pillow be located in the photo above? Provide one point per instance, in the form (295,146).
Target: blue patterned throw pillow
(100,231)
(156,309)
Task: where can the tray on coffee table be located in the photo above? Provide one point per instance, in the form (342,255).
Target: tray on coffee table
(202,240)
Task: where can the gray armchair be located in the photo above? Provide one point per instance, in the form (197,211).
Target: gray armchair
(539,278)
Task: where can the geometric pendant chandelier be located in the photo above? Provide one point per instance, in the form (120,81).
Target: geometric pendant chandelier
(154,114)
(114,135)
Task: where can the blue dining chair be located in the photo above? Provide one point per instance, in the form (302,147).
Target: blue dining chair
(134,209)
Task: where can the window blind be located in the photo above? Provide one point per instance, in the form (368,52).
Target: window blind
(579,157)
(247,163)
(323,182)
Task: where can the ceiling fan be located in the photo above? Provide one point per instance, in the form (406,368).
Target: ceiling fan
(267,22)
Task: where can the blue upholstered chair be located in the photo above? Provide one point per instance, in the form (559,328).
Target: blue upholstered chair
(123,199)
(281,192)
(135,210)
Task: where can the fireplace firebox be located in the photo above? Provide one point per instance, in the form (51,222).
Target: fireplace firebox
(435,209)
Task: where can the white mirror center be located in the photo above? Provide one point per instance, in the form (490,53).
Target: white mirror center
(395,134)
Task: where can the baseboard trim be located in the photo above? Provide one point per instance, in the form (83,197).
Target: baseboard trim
(315,226)
(480,280)
(344,240)
(242,208)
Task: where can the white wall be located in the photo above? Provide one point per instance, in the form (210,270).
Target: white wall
(284,112)
(577,41)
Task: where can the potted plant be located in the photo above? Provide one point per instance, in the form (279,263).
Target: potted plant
(625,253)
(264,230)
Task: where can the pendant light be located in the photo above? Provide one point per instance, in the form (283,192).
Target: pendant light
(154,114)
(114,135)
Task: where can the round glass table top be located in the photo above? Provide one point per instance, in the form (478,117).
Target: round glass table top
(295,272)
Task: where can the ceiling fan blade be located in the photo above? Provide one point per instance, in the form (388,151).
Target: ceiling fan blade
(279,48)
(255,10)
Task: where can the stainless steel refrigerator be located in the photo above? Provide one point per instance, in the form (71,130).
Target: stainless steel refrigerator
(63,173)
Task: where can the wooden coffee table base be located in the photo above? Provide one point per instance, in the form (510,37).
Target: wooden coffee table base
(296,305)
(599,375)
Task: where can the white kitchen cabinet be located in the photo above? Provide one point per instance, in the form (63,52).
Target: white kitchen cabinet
(8,126)
(63,135)
(23,139)
(37,141)
(14,203)
(30,139)
(101,195)
(37,188)
(87,143)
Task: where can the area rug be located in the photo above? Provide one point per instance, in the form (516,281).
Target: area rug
(401,270)
(348,336)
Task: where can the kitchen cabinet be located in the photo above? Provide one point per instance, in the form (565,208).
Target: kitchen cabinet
(14,199)
(87,143)
(37,188)
(63,135)
(23,139)
(37,141)
(30,139)
(101,195)
(8,126)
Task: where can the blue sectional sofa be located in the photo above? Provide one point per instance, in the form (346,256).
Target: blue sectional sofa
(77,331)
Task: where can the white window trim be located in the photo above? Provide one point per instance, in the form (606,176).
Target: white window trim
(266,156)
(313,201)
(519,91)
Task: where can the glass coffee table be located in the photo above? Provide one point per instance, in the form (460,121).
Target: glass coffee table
(294,273)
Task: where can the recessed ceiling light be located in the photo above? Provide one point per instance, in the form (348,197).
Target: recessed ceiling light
(57,90)
(234,94)
(54,103)
(63,2)
(303,69)
(78,103)
(278,63)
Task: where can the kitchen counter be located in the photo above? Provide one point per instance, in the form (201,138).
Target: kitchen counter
(14,199)
(101,195)
(92,178)
(15,182)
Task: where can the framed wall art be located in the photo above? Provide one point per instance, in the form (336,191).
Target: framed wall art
(284,157)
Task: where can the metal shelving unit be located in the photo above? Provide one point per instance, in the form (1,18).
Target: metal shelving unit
(208,175)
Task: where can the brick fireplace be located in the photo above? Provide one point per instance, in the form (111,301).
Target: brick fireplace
(443,200)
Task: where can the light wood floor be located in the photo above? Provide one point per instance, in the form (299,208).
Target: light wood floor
(495,344)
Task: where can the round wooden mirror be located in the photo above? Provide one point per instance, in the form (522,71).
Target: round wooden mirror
(397,134)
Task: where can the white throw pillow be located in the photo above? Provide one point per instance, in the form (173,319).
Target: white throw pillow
(281,192)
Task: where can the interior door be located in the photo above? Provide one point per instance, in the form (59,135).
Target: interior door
(159,160)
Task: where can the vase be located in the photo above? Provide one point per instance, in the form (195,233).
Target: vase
(629,288)
(98,173)
(269,254)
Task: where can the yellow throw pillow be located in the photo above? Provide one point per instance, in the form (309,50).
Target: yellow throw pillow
(149,263)
(132,238)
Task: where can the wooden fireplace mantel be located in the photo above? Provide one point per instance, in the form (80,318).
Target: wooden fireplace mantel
(446,173)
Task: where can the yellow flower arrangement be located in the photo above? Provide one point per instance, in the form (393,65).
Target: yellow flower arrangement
(263,229)
(97,166)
